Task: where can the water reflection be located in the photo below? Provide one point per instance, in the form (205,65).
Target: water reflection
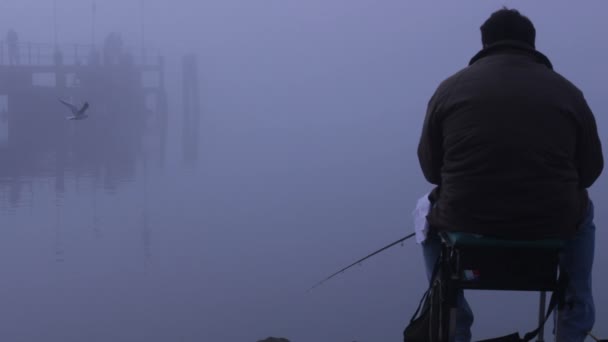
(58,242)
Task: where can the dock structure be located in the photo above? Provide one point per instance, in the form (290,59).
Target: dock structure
(191,109)
(128,109)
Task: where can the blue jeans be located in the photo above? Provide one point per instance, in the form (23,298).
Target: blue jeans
(577,317)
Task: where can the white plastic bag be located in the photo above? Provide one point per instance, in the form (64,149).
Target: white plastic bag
(421,226)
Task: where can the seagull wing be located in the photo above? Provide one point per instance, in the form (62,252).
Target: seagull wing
(69,105)
(84,108)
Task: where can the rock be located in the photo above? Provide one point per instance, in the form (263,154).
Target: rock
(274,339)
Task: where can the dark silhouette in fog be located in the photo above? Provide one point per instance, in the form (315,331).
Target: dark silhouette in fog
(112,49)
(191,104)
(12,42)
(509,161)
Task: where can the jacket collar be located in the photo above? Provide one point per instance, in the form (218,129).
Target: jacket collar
(512,45)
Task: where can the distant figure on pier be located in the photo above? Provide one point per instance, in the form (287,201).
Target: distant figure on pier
(77,113)
(94,58)
(57,57)
(112,49)
(12,41)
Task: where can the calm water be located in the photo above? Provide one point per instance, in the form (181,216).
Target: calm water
(224,248)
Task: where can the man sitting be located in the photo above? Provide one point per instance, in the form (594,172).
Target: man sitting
(512,147)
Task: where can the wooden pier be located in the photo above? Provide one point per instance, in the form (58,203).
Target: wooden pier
(191,109)
(128,110)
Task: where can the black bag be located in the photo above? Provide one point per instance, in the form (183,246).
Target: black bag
(424,324)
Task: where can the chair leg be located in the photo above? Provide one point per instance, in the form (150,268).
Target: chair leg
(556,319)
(541,315)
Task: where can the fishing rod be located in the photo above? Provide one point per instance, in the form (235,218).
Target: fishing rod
(595,338)
(361,260)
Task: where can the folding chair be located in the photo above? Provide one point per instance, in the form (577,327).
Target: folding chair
(474,262)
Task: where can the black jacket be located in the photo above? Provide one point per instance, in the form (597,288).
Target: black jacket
(511,145)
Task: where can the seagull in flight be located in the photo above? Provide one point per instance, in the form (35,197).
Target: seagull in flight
(77,114)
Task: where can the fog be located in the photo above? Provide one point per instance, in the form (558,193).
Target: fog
(124,227)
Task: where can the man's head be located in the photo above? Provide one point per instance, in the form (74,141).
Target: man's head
(507,24)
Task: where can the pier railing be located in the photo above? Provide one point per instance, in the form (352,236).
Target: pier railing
(36,54)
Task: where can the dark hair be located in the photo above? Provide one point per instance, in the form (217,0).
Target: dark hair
(507,24)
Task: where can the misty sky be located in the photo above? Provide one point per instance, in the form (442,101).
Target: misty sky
(311,114)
